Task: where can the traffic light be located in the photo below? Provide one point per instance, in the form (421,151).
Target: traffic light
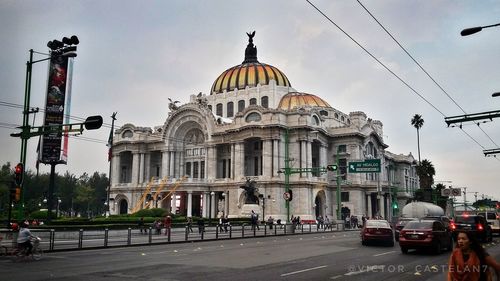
(93,122)
(19,174)
(395,205)
(15,192)
(331,167)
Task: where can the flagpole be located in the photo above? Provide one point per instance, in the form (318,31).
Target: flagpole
(110,160)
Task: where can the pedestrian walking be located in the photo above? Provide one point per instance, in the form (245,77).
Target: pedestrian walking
(470,261)
(254,218)
(270,222)
(168,224)
(140,224)
(225,222)
(189,224)
(201,225)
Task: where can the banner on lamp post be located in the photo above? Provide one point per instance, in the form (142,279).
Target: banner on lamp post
(55,108)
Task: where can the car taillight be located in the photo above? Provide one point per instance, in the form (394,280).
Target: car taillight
(429,234)
(480,227)
(453,226)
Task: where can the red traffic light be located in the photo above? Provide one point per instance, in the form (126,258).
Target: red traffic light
(19,174)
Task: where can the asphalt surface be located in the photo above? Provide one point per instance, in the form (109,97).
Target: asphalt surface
(323,256)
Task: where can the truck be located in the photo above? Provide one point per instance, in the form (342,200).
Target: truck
(421,209)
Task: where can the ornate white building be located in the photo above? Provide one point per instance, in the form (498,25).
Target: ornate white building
(244,130)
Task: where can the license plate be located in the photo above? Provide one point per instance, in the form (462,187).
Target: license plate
(414,236)
(378,232)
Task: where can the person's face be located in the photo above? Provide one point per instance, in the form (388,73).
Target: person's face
(463,241)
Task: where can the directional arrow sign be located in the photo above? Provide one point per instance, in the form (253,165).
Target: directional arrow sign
(367,166)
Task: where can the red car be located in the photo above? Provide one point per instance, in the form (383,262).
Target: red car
(430,234)
(377,231)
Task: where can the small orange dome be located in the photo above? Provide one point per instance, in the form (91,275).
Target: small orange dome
(297,99)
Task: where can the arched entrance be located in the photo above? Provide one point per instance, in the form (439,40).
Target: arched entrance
(123,207)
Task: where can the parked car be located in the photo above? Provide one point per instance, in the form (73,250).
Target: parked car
(425,234)
(400,224)
(475,224)
(377,231)
(493,219)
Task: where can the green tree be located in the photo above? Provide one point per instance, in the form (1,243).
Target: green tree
(417,122)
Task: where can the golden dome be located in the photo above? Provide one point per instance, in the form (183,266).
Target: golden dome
(296,99)
(249,73)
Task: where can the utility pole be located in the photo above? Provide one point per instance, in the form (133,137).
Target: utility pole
(465,198)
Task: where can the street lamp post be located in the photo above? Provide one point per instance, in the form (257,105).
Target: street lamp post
(472,30)
(210,207)
(58,204)
(59,49)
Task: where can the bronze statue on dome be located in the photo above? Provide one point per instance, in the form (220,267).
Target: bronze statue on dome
(251,50)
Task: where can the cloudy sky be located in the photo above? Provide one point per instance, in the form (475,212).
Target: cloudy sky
(134,55)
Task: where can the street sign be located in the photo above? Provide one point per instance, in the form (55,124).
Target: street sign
(445,192)
(456,192)
(367,166)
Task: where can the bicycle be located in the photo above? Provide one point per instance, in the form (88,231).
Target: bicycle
(20,253)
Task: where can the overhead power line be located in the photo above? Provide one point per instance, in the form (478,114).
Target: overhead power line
(423,69)
(382,64)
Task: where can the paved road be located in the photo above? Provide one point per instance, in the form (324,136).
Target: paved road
(327,256)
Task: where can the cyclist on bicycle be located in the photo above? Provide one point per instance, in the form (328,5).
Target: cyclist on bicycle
(23,240)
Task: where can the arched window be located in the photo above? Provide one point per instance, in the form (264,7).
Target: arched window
(342,119)
(254,116)
(230,109)
(336,116)
(264,102)
(323,113)
(218,109)
(253,101)
(315,120)
(241,105)
(127,134)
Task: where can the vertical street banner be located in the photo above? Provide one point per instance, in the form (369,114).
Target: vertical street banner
(67,108)
(50,147)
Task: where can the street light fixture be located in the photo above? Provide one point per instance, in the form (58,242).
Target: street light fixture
(210,208)
(495,94)
(472,30)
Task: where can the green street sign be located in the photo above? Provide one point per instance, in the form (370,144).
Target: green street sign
(367,166)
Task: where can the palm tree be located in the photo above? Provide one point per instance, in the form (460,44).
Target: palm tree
(417,122)
(426,173)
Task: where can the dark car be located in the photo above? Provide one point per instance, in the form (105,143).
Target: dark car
(475,224)
(400,224)
(377,231)
(425,234)
(447,222)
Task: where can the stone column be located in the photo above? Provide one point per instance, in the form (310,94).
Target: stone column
(135,168)
(276,158)
(165,164)
(238,161)
(233,161)
(205,204)
(303,157)
(190,203)
(147,167)
(181,164)
(308,157)
(369,212)
(267,152)
(323,156)
(171,172)
(173,205)
(115,166)
(141,168)
(226,203)
(212,162)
